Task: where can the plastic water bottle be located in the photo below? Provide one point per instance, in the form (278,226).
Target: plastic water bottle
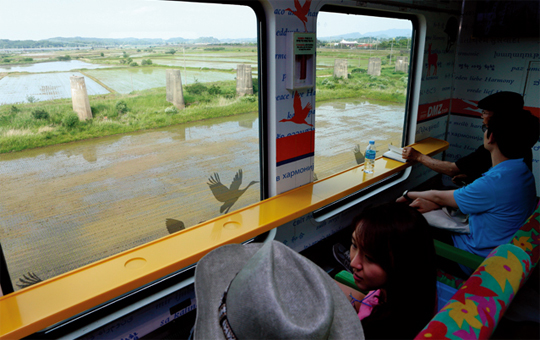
(369,163)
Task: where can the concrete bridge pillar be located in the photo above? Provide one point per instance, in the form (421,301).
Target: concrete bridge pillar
(244,81)
(340,68)
(402,64)
(175,94)
(79,98)
(374,66)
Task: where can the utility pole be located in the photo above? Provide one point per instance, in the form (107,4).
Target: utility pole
(391,49)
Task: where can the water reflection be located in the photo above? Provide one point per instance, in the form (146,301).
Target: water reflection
(246,123)
(68,205)
(42,86)
(344,127)
(52,66)
(71,204)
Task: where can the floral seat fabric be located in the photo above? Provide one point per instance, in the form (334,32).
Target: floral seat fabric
(528,237)
(476,308)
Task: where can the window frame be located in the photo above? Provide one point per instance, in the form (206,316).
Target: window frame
(408,135)
(6,286)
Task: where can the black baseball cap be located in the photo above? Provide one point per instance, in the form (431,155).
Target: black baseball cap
(502,101)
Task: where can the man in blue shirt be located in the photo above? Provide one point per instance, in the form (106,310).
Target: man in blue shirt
(472,166)
(498,202)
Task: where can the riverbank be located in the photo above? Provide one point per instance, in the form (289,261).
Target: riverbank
(47,123)
(39,124)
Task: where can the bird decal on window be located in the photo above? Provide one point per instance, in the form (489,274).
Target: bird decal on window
(28,280)
(174,226)
(358,155)
(301,11)
(228,196)
(300,114)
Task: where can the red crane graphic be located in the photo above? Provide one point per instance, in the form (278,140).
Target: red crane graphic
(301,11)
(300,114)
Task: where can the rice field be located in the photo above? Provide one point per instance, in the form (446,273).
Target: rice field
(135,79)
(42,86)
(220,64)
(53,66)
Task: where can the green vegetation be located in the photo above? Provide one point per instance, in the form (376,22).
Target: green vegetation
(41,123)
(40,114)
(390,86)
(31,99)
(20,127)
(70,120)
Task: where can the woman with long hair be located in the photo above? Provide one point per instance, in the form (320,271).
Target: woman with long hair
(393,262)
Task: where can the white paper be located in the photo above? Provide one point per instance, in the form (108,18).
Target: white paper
(394,153)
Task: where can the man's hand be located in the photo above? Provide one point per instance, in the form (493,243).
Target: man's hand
(410,154)
(423,205)
(401,199)
(461,179)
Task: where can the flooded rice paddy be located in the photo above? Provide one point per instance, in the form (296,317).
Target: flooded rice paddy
(51,66)
(68,205)
(344,124)
(215,63)
(48,81)
(42,86)
(136,79)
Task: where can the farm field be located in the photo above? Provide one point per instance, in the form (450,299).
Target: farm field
(135,78)
(42,87)
(359,121)
(50,66)
(97,197)
(126,80)
(230,64)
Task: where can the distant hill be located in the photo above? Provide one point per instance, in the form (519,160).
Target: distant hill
(386,34)
(100,42)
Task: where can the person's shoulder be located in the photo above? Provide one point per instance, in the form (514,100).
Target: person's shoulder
(482,183)
(512,169)
(516,164)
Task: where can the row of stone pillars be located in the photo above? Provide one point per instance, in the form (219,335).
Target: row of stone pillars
(374,66)
(174,91)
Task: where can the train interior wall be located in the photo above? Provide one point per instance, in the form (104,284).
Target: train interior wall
(454,71)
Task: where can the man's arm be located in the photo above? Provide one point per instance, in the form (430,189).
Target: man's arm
(443,198)
(443,167)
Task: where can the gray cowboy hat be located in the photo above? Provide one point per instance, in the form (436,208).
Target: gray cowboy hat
(274,293)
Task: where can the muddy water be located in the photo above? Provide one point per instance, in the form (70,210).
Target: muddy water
(344,124)
(65,206)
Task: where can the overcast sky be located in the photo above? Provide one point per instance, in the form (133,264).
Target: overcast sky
(42,19)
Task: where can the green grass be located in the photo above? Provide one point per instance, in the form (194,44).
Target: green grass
(20,130)
(146,109)
(390,86)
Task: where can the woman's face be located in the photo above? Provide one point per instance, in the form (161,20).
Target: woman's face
(368,275)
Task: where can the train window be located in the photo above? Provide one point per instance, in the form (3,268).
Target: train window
(121,122)
(362,85)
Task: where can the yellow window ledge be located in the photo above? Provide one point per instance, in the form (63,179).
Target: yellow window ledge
(34,308)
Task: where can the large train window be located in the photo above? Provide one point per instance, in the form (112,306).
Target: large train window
(121,122)
(362,86)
